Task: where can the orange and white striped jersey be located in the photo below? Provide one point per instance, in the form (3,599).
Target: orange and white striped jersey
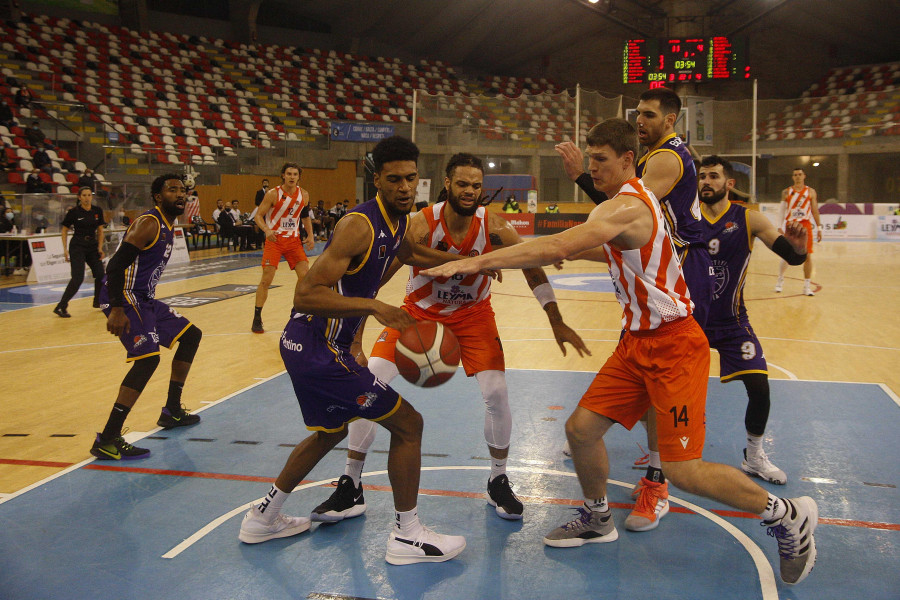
(648,280)
(799,205)
(443,295)
(284,216)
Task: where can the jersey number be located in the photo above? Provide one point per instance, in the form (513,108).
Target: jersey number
(713,246)
(748,350)
(679,416)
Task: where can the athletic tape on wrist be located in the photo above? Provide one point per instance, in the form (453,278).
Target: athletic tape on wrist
(544,294)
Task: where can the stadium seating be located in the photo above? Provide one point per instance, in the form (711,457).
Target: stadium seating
(849,102)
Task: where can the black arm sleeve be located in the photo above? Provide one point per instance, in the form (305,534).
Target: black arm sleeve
(304,212)
(115,272)
(585,182)
(785,250)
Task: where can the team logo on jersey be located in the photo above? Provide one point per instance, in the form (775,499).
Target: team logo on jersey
(684,441)
(720,271)
(474,253)
(138,340)
(730,227)
(382,337)
(366,400)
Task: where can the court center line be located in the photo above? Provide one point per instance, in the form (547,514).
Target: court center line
(763,568)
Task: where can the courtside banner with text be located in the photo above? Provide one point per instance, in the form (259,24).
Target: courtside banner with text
(554,223)
(48,261)
(523,223)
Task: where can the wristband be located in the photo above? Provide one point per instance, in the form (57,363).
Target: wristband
(819,227)
(544,294)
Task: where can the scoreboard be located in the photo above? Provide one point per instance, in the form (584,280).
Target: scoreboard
(687,60)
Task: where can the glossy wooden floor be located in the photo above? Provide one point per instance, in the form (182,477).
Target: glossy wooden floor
(60,376)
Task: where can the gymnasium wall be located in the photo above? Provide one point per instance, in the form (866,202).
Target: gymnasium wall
(330,185)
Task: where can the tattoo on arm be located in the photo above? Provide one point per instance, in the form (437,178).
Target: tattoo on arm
(496,241)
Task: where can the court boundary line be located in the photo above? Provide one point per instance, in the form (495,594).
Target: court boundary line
(131,439)
(764,569)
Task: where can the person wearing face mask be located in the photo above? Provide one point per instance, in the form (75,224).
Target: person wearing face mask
(86,247)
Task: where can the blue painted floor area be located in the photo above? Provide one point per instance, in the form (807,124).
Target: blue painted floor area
(93,532)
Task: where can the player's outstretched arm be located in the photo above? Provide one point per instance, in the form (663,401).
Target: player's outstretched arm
(138,237)
(791,246)
(503,234)
(314,293)
(623,216)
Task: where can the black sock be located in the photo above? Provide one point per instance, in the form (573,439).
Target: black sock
(173,402)
(116,420)
(654,474)
(257,312)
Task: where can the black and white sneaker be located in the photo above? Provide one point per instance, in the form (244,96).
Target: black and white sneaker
(426,546)
(500,495)
(796,543)
(344,503)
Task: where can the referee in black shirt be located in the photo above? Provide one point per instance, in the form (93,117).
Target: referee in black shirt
(86,247)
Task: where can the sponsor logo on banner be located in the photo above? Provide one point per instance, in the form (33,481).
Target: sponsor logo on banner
(210,295)
(38,247)
(522,223)
(888,228)
(554,223)
(357,132)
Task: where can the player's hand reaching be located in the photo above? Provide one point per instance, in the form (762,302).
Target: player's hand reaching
(466,266)
(795,233)
(573,159)
(391,316)
(563,333)
(117,323)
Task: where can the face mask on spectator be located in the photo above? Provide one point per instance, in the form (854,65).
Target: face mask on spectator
(10,215)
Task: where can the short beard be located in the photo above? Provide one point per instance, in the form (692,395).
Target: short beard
(717,196)
(457,207)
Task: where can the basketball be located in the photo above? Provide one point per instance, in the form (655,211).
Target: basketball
(427,354)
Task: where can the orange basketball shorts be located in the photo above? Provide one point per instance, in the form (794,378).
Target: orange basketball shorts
(667,369)
(291,248)
(810,235)
(475,329)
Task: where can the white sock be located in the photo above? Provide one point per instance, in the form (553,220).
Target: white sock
(806,282)
(407,522)
(271,505)
(353,469)
(754,445)
(654,460)
(776,509)
(498,467)
(596,504)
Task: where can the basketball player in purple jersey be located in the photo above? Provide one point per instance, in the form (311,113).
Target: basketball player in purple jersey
(331,387)
(729,230)
(667,170)
(143,324)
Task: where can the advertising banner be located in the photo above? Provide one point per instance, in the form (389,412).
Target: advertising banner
(360,132)
(48,261)
(554,223)
(522,222)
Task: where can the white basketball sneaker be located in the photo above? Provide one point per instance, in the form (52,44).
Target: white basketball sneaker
(796,542)
(255,529)
(779,285)
(807,290)
(426,546)
(760,466)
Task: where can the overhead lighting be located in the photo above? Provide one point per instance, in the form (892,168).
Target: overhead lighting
(491,165)
(593,1)
(815,164)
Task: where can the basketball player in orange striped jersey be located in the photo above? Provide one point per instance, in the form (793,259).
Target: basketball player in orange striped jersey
(283,211)
(800,203)
(660,364)
(460,225)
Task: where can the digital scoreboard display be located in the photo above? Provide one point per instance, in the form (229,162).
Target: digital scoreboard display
(688,60)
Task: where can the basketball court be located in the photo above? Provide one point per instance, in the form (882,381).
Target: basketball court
(167,526)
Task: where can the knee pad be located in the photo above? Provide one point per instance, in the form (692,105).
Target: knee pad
(383,369)
(361,435)
(187,344)
(140,373)
(758,402)
(497,416)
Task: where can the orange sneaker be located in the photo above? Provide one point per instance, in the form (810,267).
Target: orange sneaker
(652,505)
